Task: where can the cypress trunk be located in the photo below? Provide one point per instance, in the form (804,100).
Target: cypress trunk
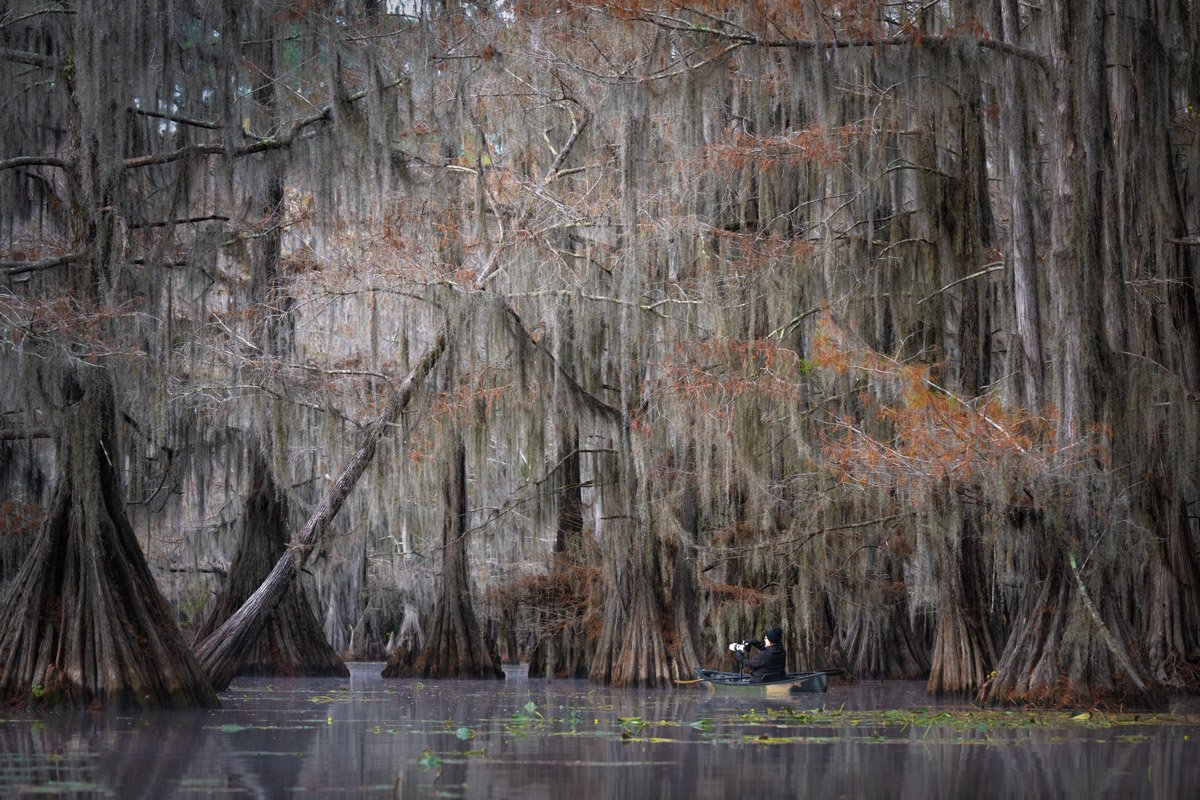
(685,587)
(85,623)
(632,648)
(963,653)
(292,642)
(880,641)
(1069,647)
(563,612)
(1071,644)
(1173,615)
(455,646)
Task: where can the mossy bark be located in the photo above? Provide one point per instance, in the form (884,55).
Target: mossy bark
(292,641)
(963,652)
(455,646)
(563,613)
(1070,647)
(84,622)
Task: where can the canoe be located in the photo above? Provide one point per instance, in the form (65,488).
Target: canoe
(740,683)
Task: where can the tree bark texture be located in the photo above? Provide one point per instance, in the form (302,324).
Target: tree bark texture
(1143,209)
(455,646)
(292,642)
(963,653)
(1172,633)
(1022,233)
(222,652)
(84,622)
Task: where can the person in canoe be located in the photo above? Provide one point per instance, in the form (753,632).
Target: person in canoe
(770,663)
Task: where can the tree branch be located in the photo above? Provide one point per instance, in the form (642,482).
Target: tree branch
(802,539)
(9,268)
(196,123)
(25,433)
(213,570)
(987,269)
(174,155)
(923,40)
(26,57)
(188,221)
(259,146)
(33,161)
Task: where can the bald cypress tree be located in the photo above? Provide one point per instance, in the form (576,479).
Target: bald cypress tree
(86,622)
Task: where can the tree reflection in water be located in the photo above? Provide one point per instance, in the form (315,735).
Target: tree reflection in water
(535,739)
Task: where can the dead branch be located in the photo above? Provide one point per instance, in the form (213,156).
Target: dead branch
(33,161)
(10,268)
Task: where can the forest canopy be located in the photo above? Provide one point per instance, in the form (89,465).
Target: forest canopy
(598,335)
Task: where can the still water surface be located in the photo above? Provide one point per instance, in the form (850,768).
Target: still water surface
(370,737)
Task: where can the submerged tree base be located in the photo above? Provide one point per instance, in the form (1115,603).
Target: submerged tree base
(1065,695)
(455,647)
(1065,652)
(84,624)
(292,642)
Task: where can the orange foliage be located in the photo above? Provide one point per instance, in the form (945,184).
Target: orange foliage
(769,18)
(910,432)
(736,533)
(712,375)
(810,145)
(731,593)
(564,597)
(743,253)
(84,327)
(467,398)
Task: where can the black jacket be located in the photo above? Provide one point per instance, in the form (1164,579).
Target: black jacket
(770,664)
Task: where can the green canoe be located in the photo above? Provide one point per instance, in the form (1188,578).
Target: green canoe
(737,682)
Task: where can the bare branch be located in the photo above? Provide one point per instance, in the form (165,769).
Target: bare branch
(188,221)
(25,433)
(33,161)
(174,155)
(213,570)
(930,41)
(987,269)
(799,540)
(26,57)
(37,12)
(493,262)
(9,268)
(196,123)
(259,146)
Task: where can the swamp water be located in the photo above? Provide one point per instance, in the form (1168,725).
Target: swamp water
(369,737)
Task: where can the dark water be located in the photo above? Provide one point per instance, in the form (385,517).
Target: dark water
(367,737)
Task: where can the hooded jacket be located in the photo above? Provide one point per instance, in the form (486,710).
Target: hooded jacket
(769,664)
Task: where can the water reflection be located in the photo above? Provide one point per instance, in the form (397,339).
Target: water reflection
(367,737)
